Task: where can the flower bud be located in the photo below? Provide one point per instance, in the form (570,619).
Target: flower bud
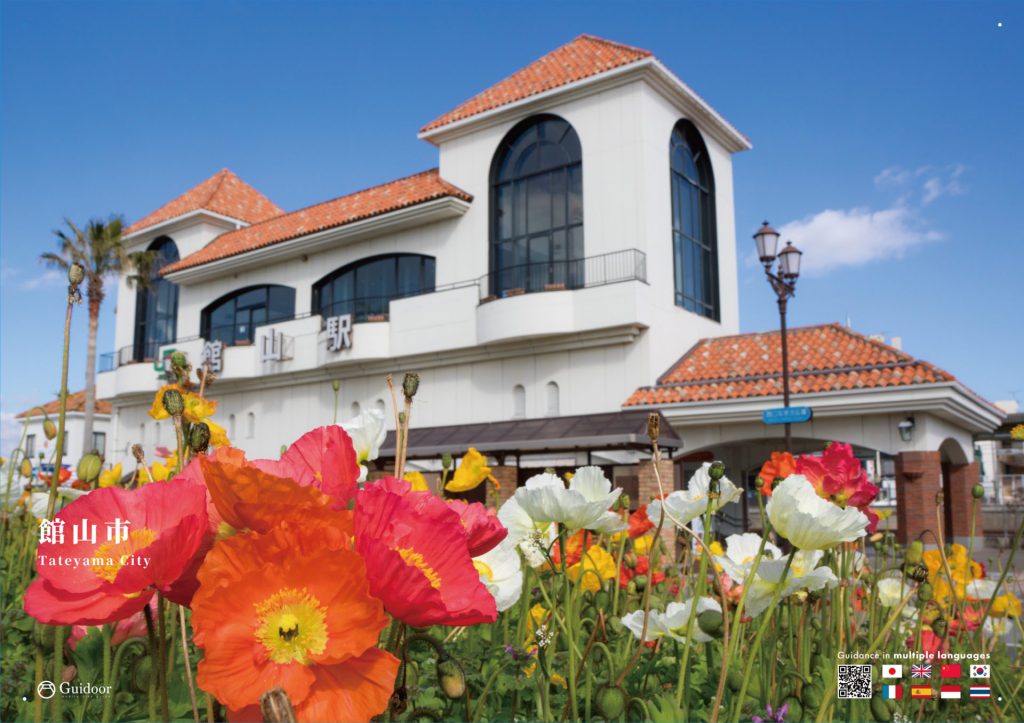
(26,468)
(49,428)
(610,702)
(89,467)
(335,385)
(199,437)
(276,706)
(710,622)
(977,492)
(446,460)
(624,501)
(452,678)
(75,274)
(915,551)
(924,592)
(138,454)
(640,581)
(179,359)
(940,626)
(410,384)
(717,470)
(654,426)
(174,403)
(917,571)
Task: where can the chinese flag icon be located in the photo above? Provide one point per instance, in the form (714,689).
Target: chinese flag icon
(952,670)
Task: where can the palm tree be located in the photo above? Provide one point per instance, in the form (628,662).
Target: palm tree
(100,251)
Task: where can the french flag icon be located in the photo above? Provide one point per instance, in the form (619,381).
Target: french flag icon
(892,692)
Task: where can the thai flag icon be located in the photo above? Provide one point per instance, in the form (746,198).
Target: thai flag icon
(894,692)
(951,670)
(921,671)
(980,691)
(981,671)
(892,671)
(950,691)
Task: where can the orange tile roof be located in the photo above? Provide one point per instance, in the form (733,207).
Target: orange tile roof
(76,403)
(822,359)
(223,193)
(375,201)
(581,58)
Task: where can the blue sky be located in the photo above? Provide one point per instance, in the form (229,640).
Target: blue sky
(886,139)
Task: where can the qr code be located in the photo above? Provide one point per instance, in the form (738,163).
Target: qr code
(854,681)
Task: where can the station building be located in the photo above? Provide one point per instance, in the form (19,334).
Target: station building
(568,267)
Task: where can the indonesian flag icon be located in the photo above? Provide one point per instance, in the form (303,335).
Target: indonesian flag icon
(892,692)
(920,691)
(892,671)
(949,691)
(950,670)
(981,671)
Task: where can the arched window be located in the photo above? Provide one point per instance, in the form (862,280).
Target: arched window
(518,401)
(694,240)
(537,208)
(380,406)
(234,317)
(366,287)
(250,425)
(551,390)
(156,305)
(355,409)
(231,426)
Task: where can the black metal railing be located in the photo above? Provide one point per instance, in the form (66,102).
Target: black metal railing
(368,308)
(610,268)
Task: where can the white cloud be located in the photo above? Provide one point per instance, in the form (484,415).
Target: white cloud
(833,239)
(47,279)
(943,184)
(926,183)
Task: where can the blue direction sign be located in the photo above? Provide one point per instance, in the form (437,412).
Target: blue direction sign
(786,415)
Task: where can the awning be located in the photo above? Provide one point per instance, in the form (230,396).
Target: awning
(583,433)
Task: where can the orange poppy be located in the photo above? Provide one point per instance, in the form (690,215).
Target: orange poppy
(285,612)
(780,466)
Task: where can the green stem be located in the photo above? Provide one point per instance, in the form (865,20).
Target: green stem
(702,575)
(161,656)
(57,704)
(569,628)
(59,448)
(108,700)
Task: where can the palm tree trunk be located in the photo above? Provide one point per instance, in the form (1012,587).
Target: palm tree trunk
(95,301)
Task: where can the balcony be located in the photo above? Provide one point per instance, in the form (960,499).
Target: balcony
(610,268)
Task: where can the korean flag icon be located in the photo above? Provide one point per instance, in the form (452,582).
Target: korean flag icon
(981,671)
(892,671)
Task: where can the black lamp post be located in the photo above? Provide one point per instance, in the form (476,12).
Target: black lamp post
(783,282)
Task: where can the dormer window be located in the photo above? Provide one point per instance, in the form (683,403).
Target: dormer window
(156,305)
(537,209)
(694,240)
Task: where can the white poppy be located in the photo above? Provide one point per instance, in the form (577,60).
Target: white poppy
(740,551)
(501,572)
(891,591)
(808,521)
(981,589)
(367,433)
(533,538)
(584,505)
(804,574)
(65,495)
(684,506)
(673,622)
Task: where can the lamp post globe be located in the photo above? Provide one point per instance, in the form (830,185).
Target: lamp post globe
(767,240)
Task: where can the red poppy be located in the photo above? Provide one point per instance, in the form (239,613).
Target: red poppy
(416,551)
(166,527)
(323,458)
(779,466)
(63,476)
(282,609)
(483,529)
(575,545)
(639,523)
(838,476)
(642,567)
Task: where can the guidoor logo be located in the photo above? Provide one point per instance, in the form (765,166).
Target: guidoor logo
(46,689)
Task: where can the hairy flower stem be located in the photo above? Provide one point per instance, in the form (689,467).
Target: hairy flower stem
(108,700)
(188,663)
(569,629)
(37,703)
(57,704)
(681,690)
(59,447)
(756,645)
(161,657)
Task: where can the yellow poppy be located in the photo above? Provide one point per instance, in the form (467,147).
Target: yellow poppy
(642,544)
(111,477)
(417,480)
(198,408)
(157,411)
(218,436)
(595,566)
(1006,605)
(471,473)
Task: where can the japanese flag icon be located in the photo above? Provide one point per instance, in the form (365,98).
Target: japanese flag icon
(892,671)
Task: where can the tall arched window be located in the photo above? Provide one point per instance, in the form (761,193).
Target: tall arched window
(156,305)
(551,390)
(233,318)
(537,208)
(694,241)
(518,401)
(250,425)
(366,287)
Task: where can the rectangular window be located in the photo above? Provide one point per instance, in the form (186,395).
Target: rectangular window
(30,445)
(99,442)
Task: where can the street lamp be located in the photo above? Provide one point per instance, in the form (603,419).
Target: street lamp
(783,282)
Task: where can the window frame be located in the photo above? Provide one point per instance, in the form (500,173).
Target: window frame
(695,276)
(143,347)
(206,328)
(427,285)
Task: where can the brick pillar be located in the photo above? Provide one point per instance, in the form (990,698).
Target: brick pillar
(648,490)
(508,477)
(958,496)
(918,480)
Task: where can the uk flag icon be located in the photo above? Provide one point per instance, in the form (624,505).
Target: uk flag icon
(981,671)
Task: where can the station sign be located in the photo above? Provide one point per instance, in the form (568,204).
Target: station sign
(787,415)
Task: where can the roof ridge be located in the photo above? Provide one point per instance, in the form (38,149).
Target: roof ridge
(220,176)
(612,43)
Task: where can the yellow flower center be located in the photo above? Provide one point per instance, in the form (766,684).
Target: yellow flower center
(484,570)
(110,557)
(415,559)
(292,626)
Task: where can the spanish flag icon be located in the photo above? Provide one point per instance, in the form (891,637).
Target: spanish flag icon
(920,691)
